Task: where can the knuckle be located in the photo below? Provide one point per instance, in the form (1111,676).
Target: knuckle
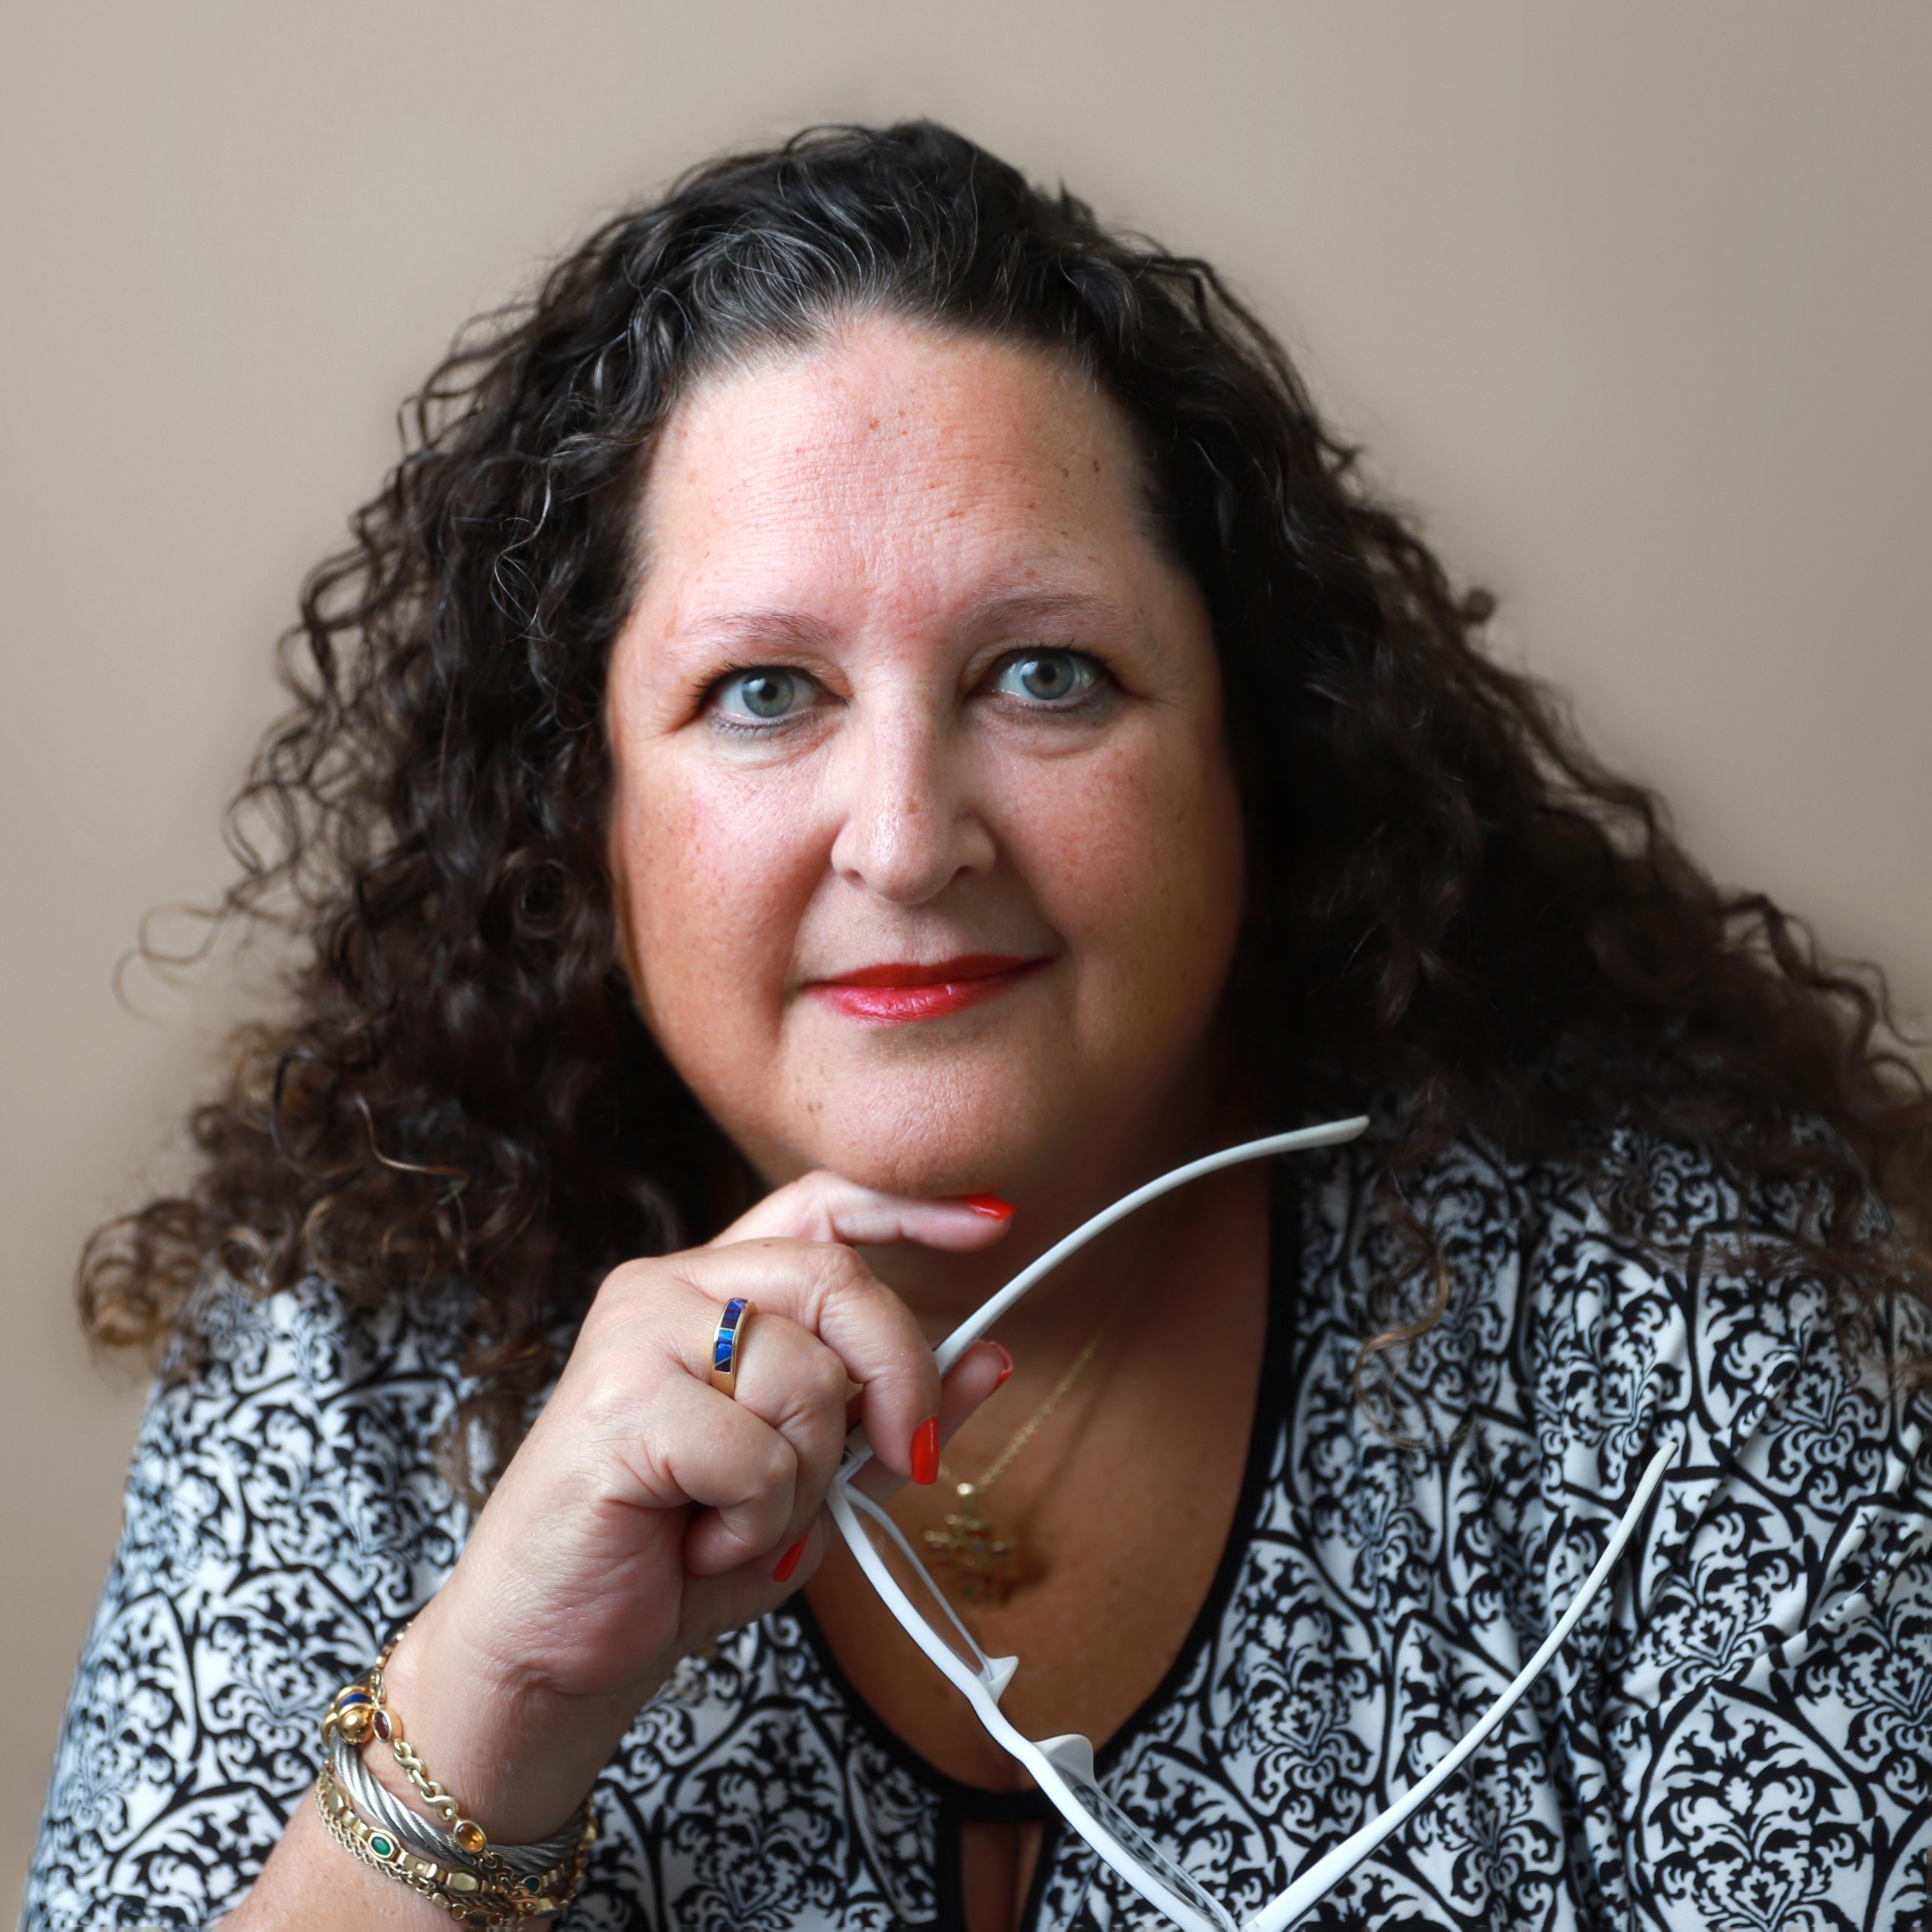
(840,1273)
(779,1474)
(629,1305)
(629,1279)
(825,1382)
(607,1400)
(814,1401)
(619,1357)
(812,1204)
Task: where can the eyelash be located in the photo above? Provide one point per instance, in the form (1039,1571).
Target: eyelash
(1103,681)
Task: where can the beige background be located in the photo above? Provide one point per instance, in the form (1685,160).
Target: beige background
(1632,301)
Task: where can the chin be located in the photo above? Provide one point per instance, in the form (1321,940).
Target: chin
(937,1132)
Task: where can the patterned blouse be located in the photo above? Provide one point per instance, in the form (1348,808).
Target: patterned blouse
(1738,1736)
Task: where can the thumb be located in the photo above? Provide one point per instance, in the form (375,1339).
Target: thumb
(823,1206)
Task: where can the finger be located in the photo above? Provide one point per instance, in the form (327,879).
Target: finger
(785,1376)
(974,1377)
(821,1206)
(740,1471)
(826,1288)
(752,1586)
(796,1385)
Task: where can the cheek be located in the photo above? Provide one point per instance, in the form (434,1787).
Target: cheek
(1144,856)
(711,876)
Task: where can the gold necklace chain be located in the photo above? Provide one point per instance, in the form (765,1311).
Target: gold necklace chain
(994,1470)
(986,1564)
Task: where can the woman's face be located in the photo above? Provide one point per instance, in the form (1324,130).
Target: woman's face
(927,851)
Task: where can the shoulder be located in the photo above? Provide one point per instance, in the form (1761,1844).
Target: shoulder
(1610,1294)
(304,1422)
(284,1511)
(1568,1352)
(311,1338)
(1736,1695)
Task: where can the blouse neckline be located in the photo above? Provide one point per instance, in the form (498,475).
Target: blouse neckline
(975,1801)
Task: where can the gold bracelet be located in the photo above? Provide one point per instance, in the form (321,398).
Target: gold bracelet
(359,1713)
(465,1895)
(483,1889)
(459,1893)
(393,1829)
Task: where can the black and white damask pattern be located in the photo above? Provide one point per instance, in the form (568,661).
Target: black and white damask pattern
(1738,1737)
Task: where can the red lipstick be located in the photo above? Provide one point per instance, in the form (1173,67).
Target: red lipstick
(900,992)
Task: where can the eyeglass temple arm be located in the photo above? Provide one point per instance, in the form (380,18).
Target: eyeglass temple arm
(1328,1134)
(1320,1878)
(975,1325)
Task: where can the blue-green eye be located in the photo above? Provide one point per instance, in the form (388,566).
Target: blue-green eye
(761,696)
(1058,678)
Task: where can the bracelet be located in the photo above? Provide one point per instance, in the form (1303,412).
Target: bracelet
(466,1896)
(374,1801)
(460,1893)
(380,1807)
(476,1881)
(359,1713)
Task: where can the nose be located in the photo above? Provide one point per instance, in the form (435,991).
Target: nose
(909,824)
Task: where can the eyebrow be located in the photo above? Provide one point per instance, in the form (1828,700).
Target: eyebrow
(1000,608)
(794,628)
(987,615)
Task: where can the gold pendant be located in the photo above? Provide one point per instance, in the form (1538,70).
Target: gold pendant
(986,1566)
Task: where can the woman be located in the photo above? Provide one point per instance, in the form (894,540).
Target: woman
(872,718)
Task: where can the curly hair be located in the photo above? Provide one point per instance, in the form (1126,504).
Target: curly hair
(1455,902)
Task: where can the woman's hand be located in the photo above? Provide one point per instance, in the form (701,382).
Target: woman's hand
(647,1511)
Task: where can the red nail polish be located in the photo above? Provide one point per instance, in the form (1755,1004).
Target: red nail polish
(990,1205)
(925,1451)
(1006,1361)
(789,1560)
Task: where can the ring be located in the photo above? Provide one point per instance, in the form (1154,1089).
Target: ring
(724,1348)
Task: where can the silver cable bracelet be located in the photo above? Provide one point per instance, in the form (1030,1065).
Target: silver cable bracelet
(360,1786)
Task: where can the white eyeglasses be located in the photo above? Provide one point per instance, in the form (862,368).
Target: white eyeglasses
(1063,1767)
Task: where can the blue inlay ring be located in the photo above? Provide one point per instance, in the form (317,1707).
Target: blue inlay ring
(728,1344)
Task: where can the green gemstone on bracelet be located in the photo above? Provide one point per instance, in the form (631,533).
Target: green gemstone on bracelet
(382,1847)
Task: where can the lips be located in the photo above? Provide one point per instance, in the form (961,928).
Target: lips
(902,991)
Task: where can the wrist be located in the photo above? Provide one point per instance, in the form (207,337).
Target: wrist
(518,1758)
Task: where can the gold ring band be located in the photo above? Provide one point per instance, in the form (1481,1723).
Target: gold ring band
(728,1344)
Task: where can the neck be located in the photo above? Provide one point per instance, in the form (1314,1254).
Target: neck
(1056,1317)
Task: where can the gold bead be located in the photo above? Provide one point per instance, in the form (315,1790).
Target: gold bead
(354,1723)
(463,1881)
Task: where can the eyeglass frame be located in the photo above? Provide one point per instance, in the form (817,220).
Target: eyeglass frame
(1056,1763)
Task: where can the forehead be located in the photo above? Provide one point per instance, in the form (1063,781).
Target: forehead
(897,458)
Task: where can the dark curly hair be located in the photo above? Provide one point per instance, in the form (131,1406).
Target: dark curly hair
(1455,903)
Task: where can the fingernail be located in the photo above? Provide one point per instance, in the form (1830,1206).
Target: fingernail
(990,1205)
(789,1560)
(925,1450)
(1006,1360)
